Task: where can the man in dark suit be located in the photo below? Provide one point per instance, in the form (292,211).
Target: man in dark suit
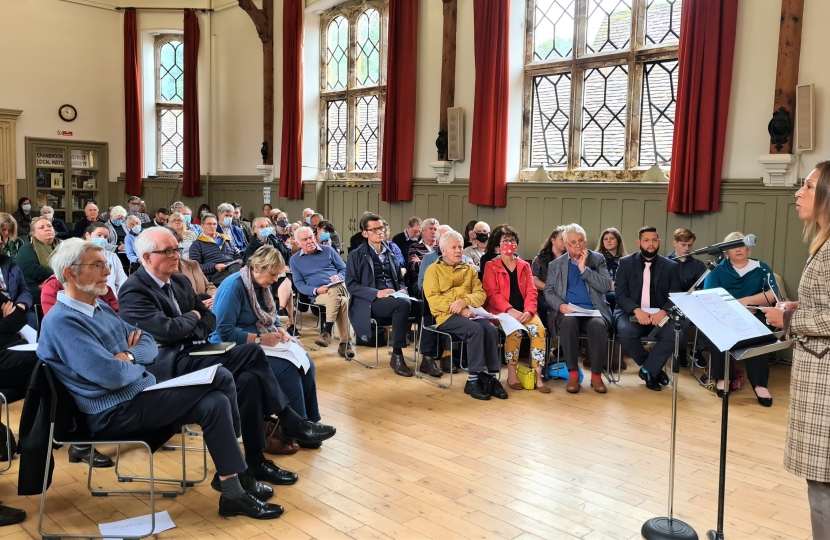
(160,301)
(644,281)
(409,236)
(160,219)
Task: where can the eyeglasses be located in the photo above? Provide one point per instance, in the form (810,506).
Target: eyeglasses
(375,230)
(576,243)
(98,266)
(169,252)
(509,243)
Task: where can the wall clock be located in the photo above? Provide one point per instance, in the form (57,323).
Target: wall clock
(67,113)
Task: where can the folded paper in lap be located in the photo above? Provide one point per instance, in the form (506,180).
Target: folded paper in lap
(203,376)
(582,312)
(508,323)
(291,351)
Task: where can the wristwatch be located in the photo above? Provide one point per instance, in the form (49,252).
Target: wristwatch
(258,339)
(130,356)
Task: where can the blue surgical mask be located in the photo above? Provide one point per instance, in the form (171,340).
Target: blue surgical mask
(117,222)
(226,222)
(265,232)
(187,218)
(48,216)
(325,237)
(134,208)
(283,223)
(102,242)
(136,229)
(26,207)
(204,212)
(308,220)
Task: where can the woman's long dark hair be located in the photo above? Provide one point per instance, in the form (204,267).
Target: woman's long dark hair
(495,239)
(20,203)
(620,247)
(546,255)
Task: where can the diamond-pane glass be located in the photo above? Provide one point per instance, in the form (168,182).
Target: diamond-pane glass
(663,21)
(171,72)
(604,105)
(366,133)
(337,121)
(337,58)
(551,120)
(367,63)
(609,25)
(553,33)
(171,125)
(657,116)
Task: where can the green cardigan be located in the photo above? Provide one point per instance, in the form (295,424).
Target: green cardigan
(33,272)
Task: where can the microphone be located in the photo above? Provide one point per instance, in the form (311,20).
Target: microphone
(716,249)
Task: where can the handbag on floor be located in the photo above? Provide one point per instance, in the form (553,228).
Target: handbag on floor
(526,376)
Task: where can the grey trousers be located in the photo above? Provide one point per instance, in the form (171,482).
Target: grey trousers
(482,339)
(818,493)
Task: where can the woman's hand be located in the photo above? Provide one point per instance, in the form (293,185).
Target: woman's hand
(787,305)
(516,314)
(271,339)
(525,318)
(284,337)
(775,317)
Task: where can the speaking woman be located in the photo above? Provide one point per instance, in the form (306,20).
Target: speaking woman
(807,450)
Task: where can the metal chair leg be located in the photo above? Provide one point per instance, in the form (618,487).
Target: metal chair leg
(5,404)
(183,481)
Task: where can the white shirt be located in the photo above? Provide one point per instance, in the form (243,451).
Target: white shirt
(117,276)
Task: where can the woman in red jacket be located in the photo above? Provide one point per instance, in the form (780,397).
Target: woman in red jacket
(508,283)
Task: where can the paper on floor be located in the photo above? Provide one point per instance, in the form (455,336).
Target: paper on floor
(136,526)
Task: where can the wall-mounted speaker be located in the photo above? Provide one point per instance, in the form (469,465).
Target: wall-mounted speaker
(804,116)
(455,133)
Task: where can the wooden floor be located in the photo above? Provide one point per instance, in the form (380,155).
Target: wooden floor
(414,461)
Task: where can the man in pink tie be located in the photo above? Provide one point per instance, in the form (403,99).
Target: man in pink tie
(644,281)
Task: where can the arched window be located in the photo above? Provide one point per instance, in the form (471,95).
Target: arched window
(353,86)
(602,80)
(169,102)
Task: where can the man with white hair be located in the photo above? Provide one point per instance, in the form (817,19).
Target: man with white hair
(476,250)
(108,379)
(58,224)
(579,278)
(307,213)
(224,218)
(161,301)
(451,308)
(90,216)
(433,255)
(320,273)
(116,231)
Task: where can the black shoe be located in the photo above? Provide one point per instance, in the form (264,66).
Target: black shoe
(493,386)
(763,401)
(428,366)
(310,446)
(249,484)
(10,516)
(700,361)
(683,359)
(651,382)
(267,471)
(4,450)
(250,506)
(477,390)
(292,331)
(447,365)
(398,365)
(78,453)
(308,433)
(662,378)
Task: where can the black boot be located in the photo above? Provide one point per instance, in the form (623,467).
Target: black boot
(78,453)
(6,435)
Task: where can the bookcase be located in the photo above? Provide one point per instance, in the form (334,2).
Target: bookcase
(66,175)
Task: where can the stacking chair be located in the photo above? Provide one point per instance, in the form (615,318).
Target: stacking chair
(583,338)
(440,333)
(8,396)
(65,427)
(303,304)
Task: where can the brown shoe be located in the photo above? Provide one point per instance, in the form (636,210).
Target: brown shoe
(446,365)
(274,445)
(399,366)
(428,366)
(598,385)
(323,340)
(573,385)
(544,389)
(346,350)
(516,386)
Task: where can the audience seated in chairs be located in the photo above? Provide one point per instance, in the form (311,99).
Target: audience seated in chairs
(24,215)
(133,224)
(433,256)
(282,229)
(752,282)
(186,237)
(416,253)
(478,243)
(90,216)
(491,251)
(224,219)
(611,246)
(10,244)
(106,380)
(690,271)
(97,234)
(246,313)
(58,224)
(215,252)
(33,257)
(319,273)
(372,277)
(553,248)
(579,278)
(508,283)
(159,220)
(451,287)
(410,235)
(160,301)
(314,222)
(644,281)
(115,229)
(134,205)
(263,231)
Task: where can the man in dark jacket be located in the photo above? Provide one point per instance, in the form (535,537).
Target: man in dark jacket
(160,301)
(90,216)
(372,277)
(410,235)
(690,270)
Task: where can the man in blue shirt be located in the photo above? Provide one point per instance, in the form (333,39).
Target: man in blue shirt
(320,274)
(579,278)
(224,217)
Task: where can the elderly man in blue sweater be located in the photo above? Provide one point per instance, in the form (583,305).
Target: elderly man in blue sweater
(320,274)
(108,381)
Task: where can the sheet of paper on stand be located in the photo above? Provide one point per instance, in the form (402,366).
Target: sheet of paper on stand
(203,376)
(582,312)
(136,526)
(29,334)
(290,351)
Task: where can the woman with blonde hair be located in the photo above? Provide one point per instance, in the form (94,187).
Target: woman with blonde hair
(808,324)
(33,258)
(178,224)
(10,244)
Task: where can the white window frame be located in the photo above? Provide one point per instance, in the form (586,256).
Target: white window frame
(160,105)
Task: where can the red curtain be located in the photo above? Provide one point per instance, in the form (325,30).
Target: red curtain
(132,106)
(191,177)
(399,123)
(488,155)
(291,153)
(707,46)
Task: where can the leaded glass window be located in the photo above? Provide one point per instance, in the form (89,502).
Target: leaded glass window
(169,102)
(353,86)
(601,84)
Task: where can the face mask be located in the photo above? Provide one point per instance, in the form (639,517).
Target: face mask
(508,249)
(136,229)
(265,232)
(187,218)
(227,222)
(204,212)
(26,207)
(482,236)
(308,220)
(102,242)
(117,222)
(325,237)
(133,208)
(283,223)
(48,216)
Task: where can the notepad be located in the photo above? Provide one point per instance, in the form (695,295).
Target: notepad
(203,376)
(208,349)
